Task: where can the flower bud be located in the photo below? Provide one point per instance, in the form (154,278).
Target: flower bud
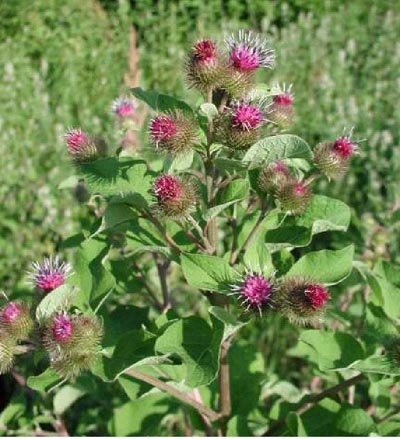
(301,300)
(16,320)
(204,69)
(7,346)
(173,132)
(176,197)
(293,196)
(240,125)
(272,176)
(282,111)
(49,274)
(123,108)
(246,53)
(72,342)
(254,291)
(82,147)
(333,158)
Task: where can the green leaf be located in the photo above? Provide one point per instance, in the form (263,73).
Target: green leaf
(378,364)
(113,176)
(179,163)
(207,272)
(160,102)
(44,381)
(57,300)
(257,257)
(209,110)
(197,344)
(236,190)
(231,324)
(388,294)
(141,417)
(66,397)
(216,210)
(330,350)
(274,148)
(353,421)
(14,410)
(327,266)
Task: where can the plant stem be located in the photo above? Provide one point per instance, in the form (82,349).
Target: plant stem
(313,400)
(181,396)
(174,246)
(236,251)
(201,233)
(162,269)
(224,385)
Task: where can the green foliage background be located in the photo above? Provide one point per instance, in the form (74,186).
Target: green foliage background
(62,64)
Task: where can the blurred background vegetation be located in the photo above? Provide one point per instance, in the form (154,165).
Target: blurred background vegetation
(64,61)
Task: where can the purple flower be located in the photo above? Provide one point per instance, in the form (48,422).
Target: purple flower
(49,274)
(123,107)
(62,327)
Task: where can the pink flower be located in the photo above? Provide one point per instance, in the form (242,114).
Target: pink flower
(205,51)
(343,147)
(280,167)
(299,189)
(284,99)
(123,107)
(76,139)
(162,128)
(246,116)
(49,274)
(248,52)
(256,290)
(317,295)
(62,327)
(11,312)
(167,188)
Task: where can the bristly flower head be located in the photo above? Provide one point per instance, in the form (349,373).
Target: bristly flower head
(49,274)
(123,107)
(173,132)
(16,320)
(301,300)
(62,328)
(254,291)
(204,68)
(239,126)
(72,342)
(282,111)
(82,147)
(7,346)
(333,158)
(272,176)
(248,52)
(293,195)
(176,197)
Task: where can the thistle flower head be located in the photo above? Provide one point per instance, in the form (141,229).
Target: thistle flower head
(204,67)
(293,195)
(72,342)
(173,132)
(175,197)
(254,290)
(16,320)
(49,274)
(333,158)
(301,300)
(167,188)
(123,107)
(75,139)
(62,327)
(82,147)
(10,312)
(162,128)
(272,176)
(7,346)
(248,52)
(205,51)
(246,116)
(282,111)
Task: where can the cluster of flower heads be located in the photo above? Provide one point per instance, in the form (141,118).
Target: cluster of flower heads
(72,341)
(303,301)
(292,193)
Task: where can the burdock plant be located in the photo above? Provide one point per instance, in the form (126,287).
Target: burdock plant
(205,231)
